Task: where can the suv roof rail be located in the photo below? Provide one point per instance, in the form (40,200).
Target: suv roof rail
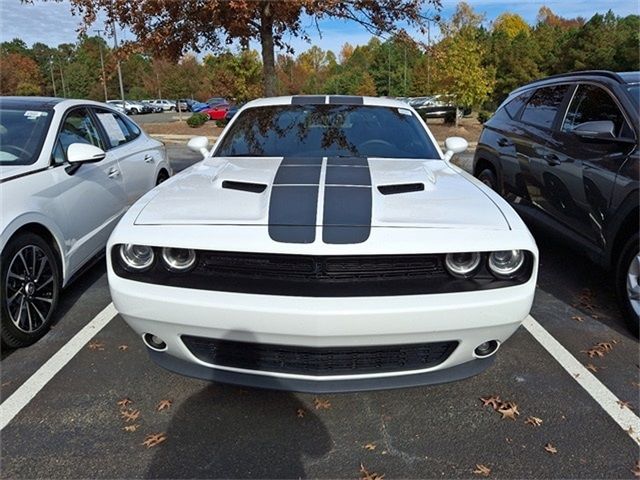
(581,73)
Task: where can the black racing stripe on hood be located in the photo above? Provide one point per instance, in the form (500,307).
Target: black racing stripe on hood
(345,100)
(293,204)
(347,204)
(308,100)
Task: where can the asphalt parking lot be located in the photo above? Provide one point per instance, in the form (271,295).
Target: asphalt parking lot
(92,417)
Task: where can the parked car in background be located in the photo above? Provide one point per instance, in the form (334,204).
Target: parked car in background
(233,109)
(144,107)
(154,108)
(217,112)
(165,105)
(184,105)
(564,152)
(131,108)
(69,169)
(438,106)
(198,106)
(216,101)
(324,244)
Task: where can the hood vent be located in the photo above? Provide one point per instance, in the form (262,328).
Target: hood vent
(244,186)
(400,188)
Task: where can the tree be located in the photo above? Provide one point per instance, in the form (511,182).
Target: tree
(171,28)
(511,24)
(19,75)
(366,87)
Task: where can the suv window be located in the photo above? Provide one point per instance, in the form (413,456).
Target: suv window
(592,103)
(514,106)
(78,127)
(542,107)
(115,128)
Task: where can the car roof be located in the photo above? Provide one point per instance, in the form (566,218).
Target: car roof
(618,77)
(327,99)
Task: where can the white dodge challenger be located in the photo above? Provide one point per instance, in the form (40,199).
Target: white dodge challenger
(324,244)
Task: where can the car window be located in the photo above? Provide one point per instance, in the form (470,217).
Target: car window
(115,128)
(591,104)
(22,133)
(57,156)
(514,106)
(541,109)
(327,130)
(134,130)
(78,127)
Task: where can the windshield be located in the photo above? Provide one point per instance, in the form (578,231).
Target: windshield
(22,132)
(327,131)
(634,90)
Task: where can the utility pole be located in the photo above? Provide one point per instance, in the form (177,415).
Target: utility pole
(405,69)
(53,79)
(158,80)
(104,78)
(428,56)
(115,44)
(64,87)
(389,74)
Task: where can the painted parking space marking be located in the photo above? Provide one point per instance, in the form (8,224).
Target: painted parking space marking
(29,389)
(624,417)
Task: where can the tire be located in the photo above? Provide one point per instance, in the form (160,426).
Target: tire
(488,177)
(134,111)
(29,295)
(162,176)
(627,277)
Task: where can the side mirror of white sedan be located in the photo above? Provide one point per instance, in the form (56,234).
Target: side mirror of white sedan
(84,153)
(200,145)
(454,145)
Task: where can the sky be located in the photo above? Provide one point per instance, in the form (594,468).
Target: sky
(52,22)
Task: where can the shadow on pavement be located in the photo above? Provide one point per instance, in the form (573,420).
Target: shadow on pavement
(240,433)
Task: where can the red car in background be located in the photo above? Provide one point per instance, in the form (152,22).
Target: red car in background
(216,112)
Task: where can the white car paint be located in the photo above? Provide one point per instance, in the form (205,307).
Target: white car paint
(454,213)
(79,210)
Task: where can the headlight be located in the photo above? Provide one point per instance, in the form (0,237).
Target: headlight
(506,263)
(178,259)
(136,257)
(462,264)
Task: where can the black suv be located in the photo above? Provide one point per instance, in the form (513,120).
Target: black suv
(564,152)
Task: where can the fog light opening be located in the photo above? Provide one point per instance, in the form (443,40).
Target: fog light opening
(154,342)
(486,349)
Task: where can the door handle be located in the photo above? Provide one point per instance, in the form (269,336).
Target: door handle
(552,159)
(114,173)
(503,142)
(148,158)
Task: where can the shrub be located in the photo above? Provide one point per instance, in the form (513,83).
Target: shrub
(197,120)
(484,115)
(222,123)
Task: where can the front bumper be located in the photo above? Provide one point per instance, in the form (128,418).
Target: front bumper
(469,318)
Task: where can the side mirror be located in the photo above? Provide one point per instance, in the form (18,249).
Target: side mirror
(601,129)
(454,145)
(200,145)
(78,153)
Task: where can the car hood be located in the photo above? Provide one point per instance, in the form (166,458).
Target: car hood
(390,192)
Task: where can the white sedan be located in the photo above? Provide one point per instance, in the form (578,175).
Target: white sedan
(325,243)
(69,169)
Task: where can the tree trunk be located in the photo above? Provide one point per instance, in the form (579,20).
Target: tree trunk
(268,56)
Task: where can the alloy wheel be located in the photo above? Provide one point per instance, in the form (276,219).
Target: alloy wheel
(633,287)
(30,288)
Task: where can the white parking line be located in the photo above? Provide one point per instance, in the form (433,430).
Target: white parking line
(594,387)
(29,389)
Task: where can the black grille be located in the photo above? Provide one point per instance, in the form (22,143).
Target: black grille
(319,361)
(318,276)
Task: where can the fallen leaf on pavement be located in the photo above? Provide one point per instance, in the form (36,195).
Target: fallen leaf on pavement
(636,469)
(551,449)
(577,318)
(322,404)
(95,345)
(369,446)
(154,439)
(122,348)
(535,421)
(124,402)
(493,401)
(367,475)
(131,428)
(624,404)
(130,415)
(300,413)
(509,410)
(593,368)
(164,405)
(482,470)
